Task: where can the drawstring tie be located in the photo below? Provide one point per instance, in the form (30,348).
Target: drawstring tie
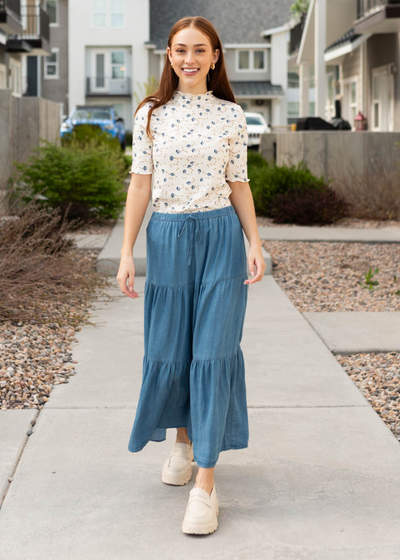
(197,234)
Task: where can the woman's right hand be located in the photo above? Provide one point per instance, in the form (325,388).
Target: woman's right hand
(127,271)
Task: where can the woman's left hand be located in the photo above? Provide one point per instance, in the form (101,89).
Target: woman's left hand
(255,259)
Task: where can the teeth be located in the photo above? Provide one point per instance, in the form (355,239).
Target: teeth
(191,71)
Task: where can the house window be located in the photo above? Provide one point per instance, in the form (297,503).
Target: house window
(312,108)
(108,13)
(117,13)
(118,68)
(251,60)
(258,60)
(330,106)
(353,101)
(376,103)
(51,64)
(244,60)
(99,13)
(15,77)
(51,7)
(293,109)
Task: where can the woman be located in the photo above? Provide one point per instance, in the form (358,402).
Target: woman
(192,135)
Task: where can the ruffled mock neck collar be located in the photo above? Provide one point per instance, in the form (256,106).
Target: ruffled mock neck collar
(208,94)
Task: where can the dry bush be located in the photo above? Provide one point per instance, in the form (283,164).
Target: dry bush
(41,270)
(375,193)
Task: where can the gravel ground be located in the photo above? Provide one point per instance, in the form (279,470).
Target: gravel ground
(324,276)
(378,378)
(343,223)
(36,358)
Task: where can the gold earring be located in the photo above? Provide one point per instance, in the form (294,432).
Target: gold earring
(172,63)
(212,66)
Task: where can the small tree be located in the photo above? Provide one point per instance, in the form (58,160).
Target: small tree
(300,7)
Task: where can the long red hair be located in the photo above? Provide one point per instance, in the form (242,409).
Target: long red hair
(217,79)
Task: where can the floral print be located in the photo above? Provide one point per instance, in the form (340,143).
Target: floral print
(199,142)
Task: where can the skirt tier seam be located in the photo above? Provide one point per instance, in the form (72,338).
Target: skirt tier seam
(243,274)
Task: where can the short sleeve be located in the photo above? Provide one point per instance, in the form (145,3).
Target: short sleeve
(236,168)
(142,145)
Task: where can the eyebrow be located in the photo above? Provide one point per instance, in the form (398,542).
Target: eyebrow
(198,45)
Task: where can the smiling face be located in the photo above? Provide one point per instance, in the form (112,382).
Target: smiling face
(192,56)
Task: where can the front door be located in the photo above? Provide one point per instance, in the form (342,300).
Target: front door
(98,78)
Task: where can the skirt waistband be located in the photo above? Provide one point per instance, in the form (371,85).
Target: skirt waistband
(183,216)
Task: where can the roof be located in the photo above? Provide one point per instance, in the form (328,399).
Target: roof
(235,21)
(259,89)
(345,39)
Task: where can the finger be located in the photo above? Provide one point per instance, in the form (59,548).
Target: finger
(131,282)
(122,281)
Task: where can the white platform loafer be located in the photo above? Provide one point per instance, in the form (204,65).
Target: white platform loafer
(177,469)
(201,512)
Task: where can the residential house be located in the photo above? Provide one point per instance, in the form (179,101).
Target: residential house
(107,53)
(24,39)
(104,51)
(255,37)
(354,46)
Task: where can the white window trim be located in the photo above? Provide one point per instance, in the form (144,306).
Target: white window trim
(348,82)
(251,57)
(55,76)
(15,78)
(329,109)
(379,70)
(108,17)
(57,22)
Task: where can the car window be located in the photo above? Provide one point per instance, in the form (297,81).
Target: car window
(91,114)
(253,120)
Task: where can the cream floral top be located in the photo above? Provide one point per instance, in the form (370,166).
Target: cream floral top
(199,142)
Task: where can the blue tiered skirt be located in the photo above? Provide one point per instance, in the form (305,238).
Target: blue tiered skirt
(194,308)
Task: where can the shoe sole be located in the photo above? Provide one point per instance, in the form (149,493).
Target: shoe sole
(174,481)
(191,529)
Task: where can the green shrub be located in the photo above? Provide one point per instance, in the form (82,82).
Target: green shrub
(292,194)
(308,207)
(84,177)
(268,180)
(128,138)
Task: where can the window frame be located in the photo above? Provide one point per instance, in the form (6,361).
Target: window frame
(348,106)
(57,7)
(55,76)
(108,13)
(251,52)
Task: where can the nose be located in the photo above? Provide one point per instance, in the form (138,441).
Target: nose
(189,58)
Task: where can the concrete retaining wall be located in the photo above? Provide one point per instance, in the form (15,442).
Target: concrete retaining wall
(364,167)
(23,122)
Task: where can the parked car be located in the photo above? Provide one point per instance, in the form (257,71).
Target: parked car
(103,116)
(256,125)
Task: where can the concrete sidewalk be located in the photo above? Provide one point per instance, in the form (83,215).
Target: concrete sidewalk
(320,479)
(337,234)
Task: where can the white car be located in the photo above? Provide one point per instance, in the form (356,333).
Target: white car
(256,125)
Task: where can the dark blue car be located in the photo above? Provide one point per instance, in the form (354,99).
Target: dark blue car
(103,116)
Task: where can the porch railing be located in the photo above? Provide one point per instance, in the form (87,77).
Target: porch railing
(365,6)
(35,22)
(11,5)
